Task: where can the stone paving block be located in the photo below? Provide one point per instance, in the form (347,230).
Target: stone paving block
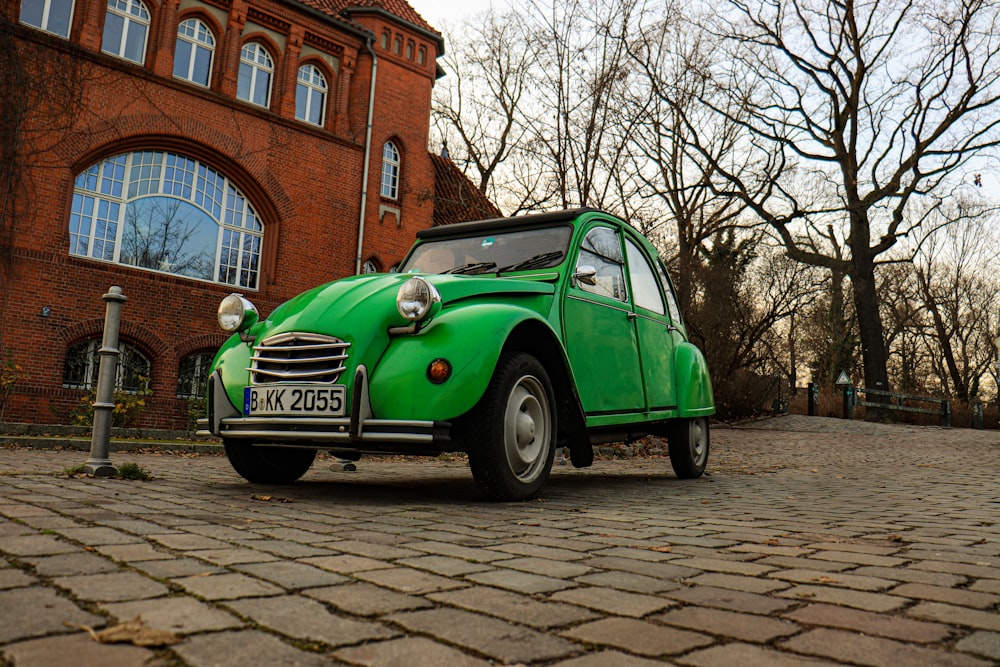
(607,658)
(36,545)
(291,575)
(860,548)
(738,582)
(637,636)
(960,597)
(643,554)
(40,612)
(626,581)
(882,625)
(228,586)
(946,613)
(82,562)
(537,551)
(444,565)
(181,615)
(953,556)
(305,618)
(986,586)
(98,535)
(286,549)
(11,578)
(963,569)
(805,564)
(408,652)
(364,599)
(613,601)
(513,607)
(243,648)
(76,650)
(843,579)
(658,570)
(521,582)
(911,575)
(188,542)
(497,639)
(748,627)
(112,586)
(749,655)
(467,553)
(546,567)
(710,596)
(878,602)
(855,558)
(771,550)
(859,649)
(177,567)
(727,566)
(408,580)
(346,564)
(232,556)
(373,550)
(130,553)
(985,644)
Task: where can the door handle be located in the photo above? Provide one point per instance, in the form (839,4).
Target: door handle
(631,316)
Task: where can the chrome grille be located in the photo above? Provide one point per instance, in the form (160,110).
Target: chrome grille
(298,357)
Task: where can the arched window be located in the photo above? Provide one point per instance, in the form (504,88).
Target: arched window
(83,361)
(409,49)
(310,95)
(192,376)
(397,45)
(390,171)
(370,266)
(386,35)
(193,53)
(126,25)
(55,16)
(421,55)
(256,67)
(169,213)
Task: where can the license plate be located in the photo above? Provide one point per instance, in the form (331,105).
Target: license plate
(294,400)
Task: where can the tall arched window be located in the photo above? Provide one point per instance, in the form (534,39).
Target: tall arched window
(192,375)
(83,360)
(169,213)
(390,171)
(126,25)
(310,95)
(194,51)
(55,16)
(256,67)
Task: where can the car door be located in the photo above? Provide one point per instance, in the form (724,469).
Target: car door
(601,340)
(654,329)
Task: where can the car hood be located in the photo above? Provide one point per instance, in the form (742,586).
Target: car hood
(368,302)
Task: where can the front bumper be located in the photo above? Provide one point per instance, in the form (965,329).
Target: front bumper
(359,431)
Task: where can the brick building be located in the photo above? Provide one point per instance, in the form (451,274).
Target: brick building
(187,149)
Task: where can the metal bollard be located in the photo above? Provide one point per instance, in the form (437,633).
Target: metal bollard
(848,402)
(977,414)
(813,399)
(99,464)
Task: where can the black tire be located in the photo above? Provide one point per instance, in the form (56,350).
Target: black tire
(268,465)
(512,431)
(689,440)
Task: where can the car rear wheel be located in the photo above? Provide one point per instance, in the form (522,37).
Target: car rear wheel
(268,465)
(688,441)
(512,431)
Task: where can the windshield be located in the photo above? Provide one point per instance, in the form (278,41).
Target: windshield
(494,252)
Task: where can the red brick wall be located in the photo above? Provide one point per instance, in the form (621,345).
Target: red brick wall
(304,181)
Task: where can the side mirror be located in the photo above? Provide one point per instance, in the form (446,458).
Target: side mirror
(586,274)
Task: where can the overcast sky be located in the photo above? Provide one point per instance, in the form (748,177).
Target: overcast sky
(440,12)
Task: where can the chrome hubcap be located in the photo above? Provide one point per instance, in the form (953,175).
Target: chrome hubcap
(527,428)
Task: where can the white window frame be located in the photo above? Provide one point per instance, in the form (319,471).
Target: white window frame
(391,163)
(47,16)
(258,60)
(312,79)
(134,13)
(201,37)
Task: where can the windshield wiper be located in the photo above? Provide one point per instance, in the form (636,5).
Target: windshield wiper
(533,262)
(475,267)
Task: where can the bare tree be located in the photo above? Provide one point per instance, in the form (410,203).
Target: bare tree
(873,105)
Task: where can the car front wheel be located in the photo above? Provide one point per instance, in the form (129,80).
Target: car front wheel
(688,441)
(268,465)
(512,431)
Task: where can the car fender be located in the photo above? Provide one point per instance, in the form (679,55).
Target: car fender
(470,338)
(693,382)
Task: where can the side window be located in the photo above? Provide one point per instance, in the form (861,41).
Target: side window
(310,95)
(668,289)
(254,81)
(126,25)
(194,51)
(645,288)
(55,16)
(601,250)
(390,171)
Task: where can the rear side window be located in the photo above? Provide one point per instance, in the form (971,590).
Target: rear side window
(645,287)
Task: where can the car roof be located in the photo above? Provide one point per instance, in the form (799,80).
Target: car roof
(507,224)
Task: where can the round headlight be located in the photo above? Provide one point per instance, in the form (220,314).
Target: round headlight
(416,299)
(236,313)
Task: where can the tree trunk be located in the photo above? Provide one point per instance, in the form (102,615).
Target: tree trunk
(866,304)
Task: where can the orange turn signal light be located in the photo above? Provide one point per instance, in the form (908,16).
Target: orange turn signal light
(438,371)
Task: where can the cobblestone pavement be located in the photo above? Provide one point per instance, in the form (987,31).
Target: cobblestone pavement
(812,541)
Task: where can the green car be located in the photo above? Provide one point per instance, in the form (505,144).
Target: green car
(504,339)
